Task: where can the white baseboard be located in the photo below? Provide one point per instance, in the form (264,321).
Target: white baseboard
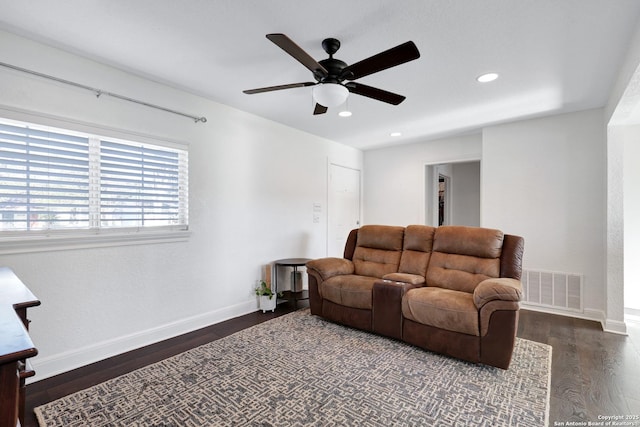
(615,326)
(597,315)
(49,366)
(608,325)
(587,314)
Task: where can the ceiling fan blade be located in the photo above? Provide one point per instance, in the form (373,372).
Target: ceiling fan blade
(375,93)
(389,58)
(280,87)
(289,46)
(319,109)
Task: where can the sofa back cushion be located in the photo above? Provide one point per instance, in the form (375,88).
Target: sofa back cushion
(462,257)
(416,250)
(378,250)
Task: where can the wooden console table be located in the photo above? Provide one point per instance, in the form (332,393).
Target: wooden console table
(15,347)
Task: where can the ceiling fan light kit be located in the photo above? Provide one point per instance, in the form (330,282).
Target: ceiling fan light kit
(330,89)
(330,94)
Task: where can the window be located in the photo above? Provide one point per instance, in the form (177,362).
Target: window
(44,179)
(55,179)
(141,186)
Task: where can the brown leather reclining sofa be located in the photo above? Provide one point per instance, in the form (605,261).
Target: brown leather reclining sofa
(454,290)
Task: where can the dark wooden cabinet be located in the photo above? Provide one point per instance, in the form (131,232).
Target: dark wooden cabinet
(16,347)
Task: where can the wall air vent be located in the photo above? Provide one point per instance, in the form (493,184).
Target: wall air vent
(552,289)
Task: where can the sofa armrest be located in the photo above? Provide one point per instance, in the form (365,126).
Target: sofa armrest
(329,267)
(501,289)
(412,279)
(387,306)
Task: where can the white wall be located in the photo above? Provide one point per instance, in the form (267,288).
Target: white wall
(627,70)
(623,99)
(543,179)
(394,187)
(631,135)
(465,194)
(253,184)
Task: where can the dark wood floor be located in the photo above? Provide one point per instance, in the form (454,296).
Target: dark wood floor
(593,373)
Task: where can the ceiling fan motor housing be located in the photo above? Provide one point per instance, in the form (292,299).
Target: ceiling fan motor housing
(332,65)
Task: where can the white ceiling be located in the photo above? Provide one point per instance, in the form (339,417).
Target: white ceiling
(552,55)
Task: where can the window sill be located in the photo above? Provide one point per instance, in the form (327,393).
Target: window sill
(79,240)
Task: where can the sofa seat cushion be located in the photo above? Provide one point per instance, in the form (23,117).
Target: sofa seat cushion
(442,308)
(349,290)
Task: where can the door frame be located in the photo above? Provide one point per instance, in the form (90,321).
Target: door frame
(360,197)
(430,216)
(446,214)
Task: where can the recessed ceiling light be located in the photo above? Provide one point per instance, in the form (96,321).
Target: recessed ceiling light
(345,113)
(394,134)
(489,77)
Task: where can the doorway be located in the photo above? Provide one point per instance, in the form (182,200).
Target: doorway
(452,193)
(444,202)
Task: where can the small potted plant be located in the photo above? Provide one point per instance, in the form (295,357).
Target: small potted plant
(268,298)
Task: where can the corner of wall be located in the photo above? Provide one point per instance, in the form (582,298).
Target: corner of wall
(63,362)
(615,326)
(625,74)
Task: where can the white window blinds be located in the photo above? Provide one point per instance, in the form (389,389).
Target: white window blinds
(140,185)
(43,179)
(56,179)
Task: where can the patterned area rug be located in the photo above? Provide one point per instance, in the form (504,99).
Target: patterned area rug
(299,370)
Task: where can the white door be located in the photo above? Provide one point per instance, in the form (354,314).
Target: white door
(344,207)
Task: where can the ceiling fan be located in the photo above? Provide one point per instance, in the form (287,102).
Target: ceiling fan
(330,88)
